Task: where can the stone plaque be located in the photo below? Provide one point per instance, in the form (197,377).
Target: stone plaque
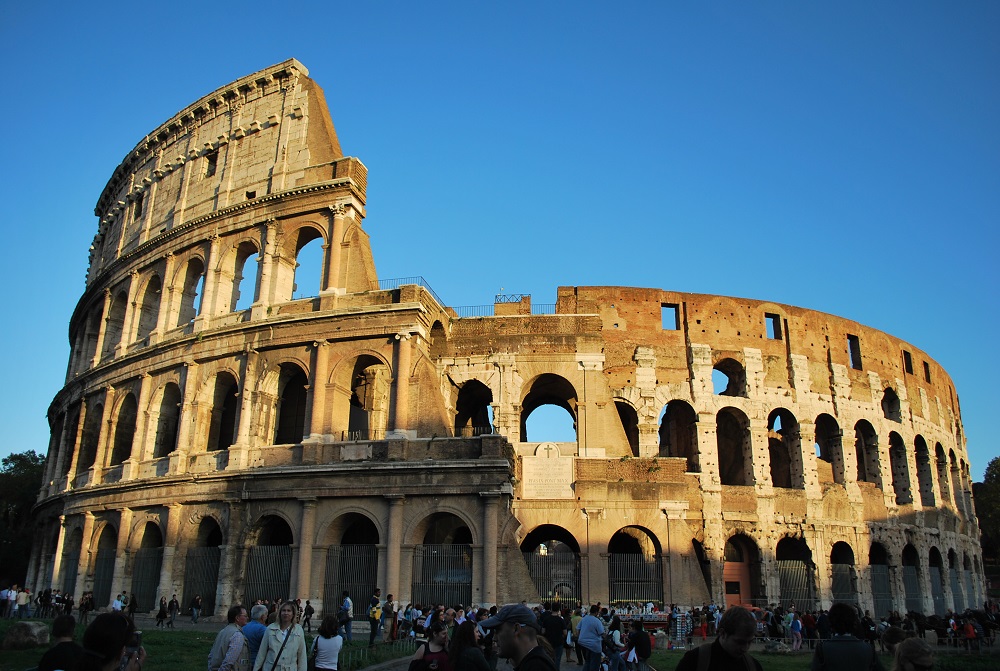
(547,475)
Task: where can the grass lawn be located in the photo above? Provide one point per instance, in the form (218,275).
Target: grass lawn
(667,660)
(169,650)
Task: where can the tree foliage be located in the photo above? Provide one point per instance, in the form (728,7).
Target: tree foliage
(987,495)
(20,479)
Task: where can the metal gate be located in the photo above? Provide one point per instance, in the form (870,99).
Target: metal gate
(146,578)
(70,567)
(201,578)
(351,568)
(956,591)
(269,571)
(555,572)
(104,571)
(911,586)
(937,591)
(881,590)
(635,579)
(843,583)
(970,592)
(795,582)
(442,574)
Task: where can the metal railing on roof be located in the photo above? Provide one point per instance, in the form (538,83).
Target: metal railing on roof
(488,310)
(397,282)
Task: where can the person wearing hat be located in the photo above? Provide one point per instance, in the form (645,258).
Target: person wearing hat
(516,633)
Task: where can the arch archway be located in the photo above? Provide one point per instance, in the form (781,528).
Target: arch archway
(191,291)
(954,579)
(925,477)
(829,446)
(630,424)
(936,574)
(741,572)
(796,574)
(472,409)
(72,551)
(351,562)
(735,451)
(269,561)
(128,412)
(866,447)
(442,562)
(113,331)
(553,558)
(104,566)
(844,579)
(146,568)
(878,568)
(679,433)
(291,411)
(942,473)
(890,405)
(149,308)
(784,449)
(201,566)
(548,389)
(361,398)
(90,436)
(225,410)
(911,579)
(167,421)
(635,567)
(900,471)
(729,378)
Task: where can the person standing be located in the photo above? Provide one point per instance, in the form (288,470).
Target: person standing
(389,619)
(161,615)
(254,630)
(554,631)
(374,616)
(346,615)
(515,630)
(729,651)
(173,608)
(284,645)
(844,651)
(195,608)
(307,614)
(66,653)
(591,638)
(237,617)
(328,644)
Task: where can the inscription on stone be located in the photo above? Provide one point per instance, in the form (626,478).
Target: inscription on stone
(547,475)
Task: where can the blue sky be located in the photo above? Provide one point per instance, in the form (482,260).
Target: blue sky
(839,156)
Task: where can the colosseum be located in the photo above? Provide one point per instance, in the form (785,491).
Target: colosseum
(221,434)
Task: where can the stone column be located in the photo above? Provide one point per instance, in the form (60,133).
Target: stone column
(307,534)
(170,543)
(166,296)
(102,328)
(186,420)
(331,275)
(209,298)
(67,449)
(128,332)
(57,555)
(317,413)
(708,452)
(86,552)
(401,386)
(491,503)
(265,293)
(121,551)
(394,543)
(760,454)
(105,436)
(74,449)
(238,452)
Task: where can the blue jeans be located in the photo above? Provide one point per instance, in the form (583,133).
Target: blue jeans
(592,660)
(347,631)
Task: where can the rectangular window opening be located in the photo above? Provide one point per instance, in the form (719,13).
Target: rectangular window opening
(670,317)
(854,348)
(137,212)
(927,371)
(251,195)
(907,362)
(211,162)
(773,325)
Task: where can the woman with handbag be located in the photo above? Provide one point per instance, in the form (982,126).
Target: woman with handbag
(432,655)
(283,647)
(326,646)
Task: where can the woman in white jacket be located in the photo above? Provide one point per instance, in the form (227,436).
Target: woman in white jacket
(293,656)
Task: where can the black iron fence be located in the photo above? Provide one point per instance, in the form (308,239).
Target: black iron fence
(350,568)
(269,570)
(146,578)
(555,575)
(635,578)
(442,574)
(201,577)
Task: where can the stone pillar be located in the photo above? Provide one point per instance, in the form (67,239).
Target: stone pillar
(394,543)
(209,298)
(128,332)
(86,552)
(67,449)
(401,386)
(105,436)
(317,412)
(74,449)
(186,420)
(121,551)
(807,459)
(239,452)
(307,534)
(145,428)
(265,294)
(170,543)
(57,555)
(331,274)
(102,328)
(708,452)
(761,456)
(166,296)
(491,503)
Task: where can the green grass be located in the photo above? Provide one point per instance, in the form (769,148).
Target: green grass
(667,660)
(168,650)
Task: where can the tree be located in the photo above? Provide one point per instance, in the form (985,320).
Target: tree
(987,495)
(20,479)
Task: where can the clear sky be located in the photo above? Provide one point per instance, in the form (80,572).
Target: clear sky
(839,156)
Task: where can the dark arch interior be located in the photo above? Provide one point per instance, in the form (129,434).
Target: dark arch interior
(447,529)
(222,432)
(793,549)
(890,405)
(209,533)
(736,376)
(878,555)
(633,540)
(152,537)
(292,384)
(472,409)
(630,424)
(678,433)
(842,554)
(274,531)
(739,548)
(551,535)
(124,430)
(359,530)
(910,557)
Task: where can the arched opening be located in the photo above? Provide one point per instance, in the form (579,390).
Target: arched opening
(954,579)
(146,568)
(970,593)
(167,421)
(890,405)
(91,333)
(732,431)
(878,567)
(308,264)
(115,324)
(201,566)
(942,473)
(90,436)
(844,583)
(925,478)
(784,449)
(225,409)
(553,558)
(368,404)
(352,563)
(149,307)
(269,561)
(549,390)
(911,580)
(703,562)
(104,566)
(291,425)
(796,574)
(442,563)
(956,481)
(829,450)
(866,447)
(630,424)
(191,291)
(741,573)
(439,341)
(936,570)
(71,560)
(635,567)
(900,471)
(128,411)
(679,434)
(472,409)
(246,272)
(729,378)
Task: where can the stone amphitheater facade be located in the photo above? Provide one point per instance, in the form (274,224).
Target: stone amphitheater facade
(217,435)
